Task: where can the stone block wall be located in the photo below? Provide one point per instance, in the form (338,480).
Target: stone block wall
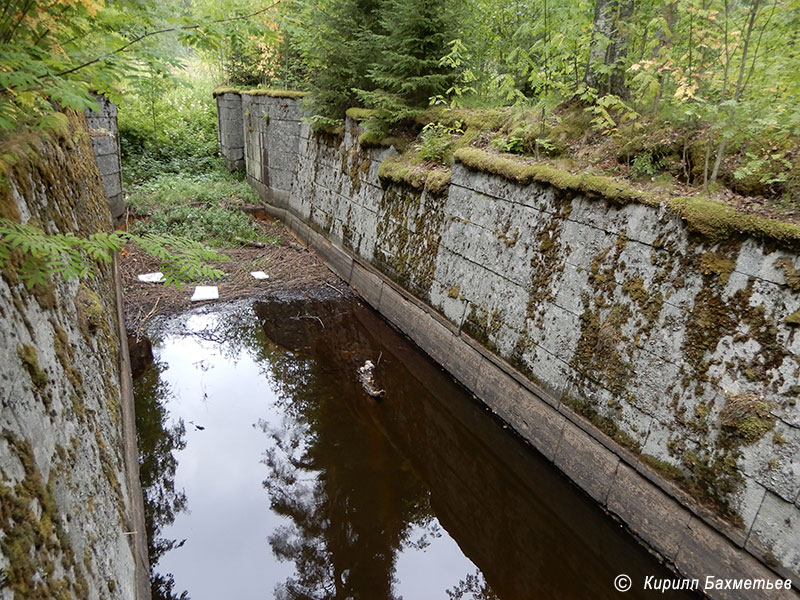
(271,141)
(72,515)
(638,356)
(105,143)
(229,131)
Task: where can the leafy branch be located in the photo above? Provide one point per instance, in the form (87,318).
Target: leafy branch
(40,255)
(194,26)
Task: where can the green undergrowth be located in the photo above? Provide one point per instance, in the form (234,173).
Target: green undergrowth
(203,207)
(214,188)
(174,132)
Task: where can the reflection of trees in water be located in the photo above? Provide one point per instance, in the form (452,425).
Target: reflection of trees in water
(472,587)
(157,441)
(351,502)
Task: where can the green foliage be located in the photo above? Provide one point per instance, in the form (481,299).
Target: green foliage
(213,225)
(42,255)
(513,143)
(168,128)
(214,188)
(408,67)
(456,60)
(202,207)
(436,142)
(646,165)
(338,47)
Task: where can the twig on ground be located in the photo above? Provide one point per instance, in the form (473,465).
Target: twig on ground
(298,317)
(334,288)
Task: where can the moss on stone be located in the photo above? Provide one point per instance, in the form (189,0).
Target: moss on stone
(360,114)
(713,220)
(599,353)
(30,361)
(710,319)
(407,170)
(483,326)
(527,172)
(793,319)
(89,311)
(32,539)
(649,304)
(225,89)
(715,263)
(605,424)
(335,131)
(438,181)
(717,221)
(746,416)
(276,93)
(409,229)
(792,274)
(66,355)
(272,92)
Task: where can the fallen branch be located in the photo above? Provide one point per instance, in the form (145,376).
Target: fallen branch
(250,243)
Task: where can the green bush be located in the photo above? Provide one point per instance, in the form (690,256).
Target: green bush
(436,143)
(168,128)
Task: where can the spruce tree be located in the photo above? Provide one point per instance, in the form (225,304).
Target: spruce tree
(340,51)
(406,71)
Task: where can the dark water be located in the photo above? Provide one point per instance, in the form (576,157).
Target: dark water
(299,485)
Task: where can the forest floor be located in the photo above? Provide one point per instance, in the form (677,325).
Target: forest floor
(292,268)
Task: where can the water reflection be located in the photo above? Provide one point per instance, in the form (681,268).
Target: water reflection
(157,440)
(352,503)
(302,485)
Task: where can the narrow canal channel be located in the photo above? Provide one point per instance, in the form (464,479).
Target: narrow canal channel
(292,482)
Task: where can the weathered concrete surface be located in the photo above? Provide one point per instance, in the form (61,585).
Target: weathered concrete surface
(72,515)
(229,130)
(105,143)
(674,351)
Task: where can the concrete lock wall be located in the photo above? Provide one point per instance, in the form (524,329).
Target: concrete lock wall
(72,514)
(104,134)
(229,130)
(653,367)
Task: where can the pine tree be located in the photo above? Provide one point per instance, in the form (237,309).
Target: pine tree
(407,70)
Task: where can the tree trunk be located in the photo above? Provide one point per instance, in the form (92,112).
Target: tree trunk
(609,47)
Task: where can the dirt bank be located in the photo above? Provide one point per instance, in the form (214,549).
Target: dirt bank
(292,269)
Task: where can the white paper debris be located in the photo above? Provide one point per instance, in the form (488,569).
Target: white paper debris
(152,277)
(259,275)
(205,292)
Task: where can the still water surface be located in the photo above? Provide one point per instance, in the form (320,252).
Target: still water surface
(299,485)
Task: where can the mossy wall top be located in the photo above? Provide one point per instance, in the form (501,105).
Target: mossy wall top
(678,341)
(65,502)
